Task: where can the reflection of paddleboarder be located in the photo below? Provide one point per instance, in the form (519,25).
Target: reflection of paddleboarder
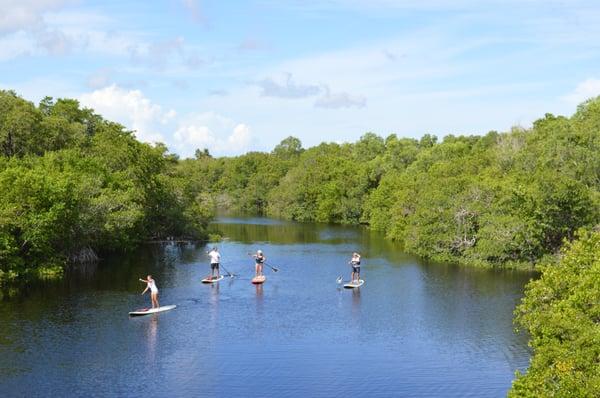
(151,284)
(215,259)
(259,258)
(355,262)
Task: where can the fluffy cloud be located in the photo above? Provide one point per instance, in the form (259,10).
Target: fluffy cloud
(132,109)
(222,136)
(585,90)
(287,88)
(152,123)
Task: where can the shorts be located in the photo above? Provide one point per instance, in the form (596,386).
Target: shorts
(356,268)
(214,266)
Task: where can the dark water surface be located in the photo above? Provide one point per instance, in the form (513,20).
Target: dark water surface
(413,330)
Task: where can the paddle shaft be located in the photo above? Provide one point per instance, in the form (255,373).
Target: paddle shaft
(265,263)
(273,268)
(225,269)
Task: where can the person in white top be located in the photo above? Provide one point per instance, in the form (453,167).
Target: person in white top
(215,260)
(355,263)
(151,284)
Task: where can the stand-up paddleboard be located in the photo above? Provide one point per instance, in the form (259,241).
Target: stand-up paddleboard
(259,279)
(148,311)
(352,285)
(212,280)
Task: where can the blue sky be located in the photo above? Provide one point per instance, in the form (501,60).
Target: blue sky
(236,76)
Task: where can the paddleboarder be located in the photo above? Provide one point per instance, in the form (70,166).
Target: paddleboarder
(151,284)
(260,259)
(215,260)
(355,263)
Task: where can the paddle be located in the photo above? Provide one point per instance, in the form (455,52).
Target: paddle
(339,280)
(229,274)
(273,268)
(265,263)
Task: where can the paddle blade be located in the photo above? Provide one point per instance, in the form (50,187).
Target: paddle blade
(339,280)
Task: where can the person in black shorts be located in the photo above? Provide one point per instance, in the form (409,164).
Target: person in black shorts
(355,263)
(215,259)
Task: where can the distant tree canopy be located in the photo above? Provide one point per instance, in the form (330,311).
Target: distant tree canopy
(288,148)
(499,199)
(73,182)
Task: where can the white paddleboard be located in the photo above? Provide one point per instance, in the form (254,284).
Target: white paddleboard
(352,285)
(147,311)
(211,280)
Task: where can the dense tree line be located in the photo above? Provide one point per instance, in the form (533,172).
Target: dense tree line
(561,312)
(503,199)
(74,185)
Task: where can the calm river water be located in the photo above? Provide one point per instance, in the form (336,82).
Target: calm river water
(414,329)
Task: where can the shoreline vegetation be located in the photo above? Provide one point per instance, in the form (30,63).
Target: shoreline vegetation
(75,185)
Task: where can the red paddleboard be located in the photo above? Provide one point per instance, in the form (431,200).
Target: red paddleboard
(259,279)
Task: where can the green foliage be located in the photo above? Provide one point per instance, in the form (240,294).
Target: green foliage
(73,183)
(561,313)
(288,148)
(503,199)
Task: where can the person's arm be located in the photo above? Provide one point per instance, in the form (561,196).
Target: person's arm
(143,280)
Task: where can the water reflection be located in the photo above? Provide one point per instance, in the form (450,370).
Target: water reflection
(411,318)
(151,335)
(356,301)
(259,292)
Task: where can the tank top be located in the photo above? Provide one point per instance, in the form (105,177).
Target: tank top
(152,286)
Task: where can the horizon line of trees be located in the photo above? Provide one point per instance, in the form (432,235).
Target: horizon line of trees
(501,199)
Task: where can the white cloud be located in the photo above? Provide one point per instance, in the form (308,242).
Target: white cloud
(130,108)
(240,139)
(221,135)
(585,90)
(152,123)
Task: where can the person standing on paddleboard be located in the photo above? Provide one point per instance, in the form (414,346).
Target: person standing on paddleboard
(215,260)
(151,284)
(355,263)
(260,258)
